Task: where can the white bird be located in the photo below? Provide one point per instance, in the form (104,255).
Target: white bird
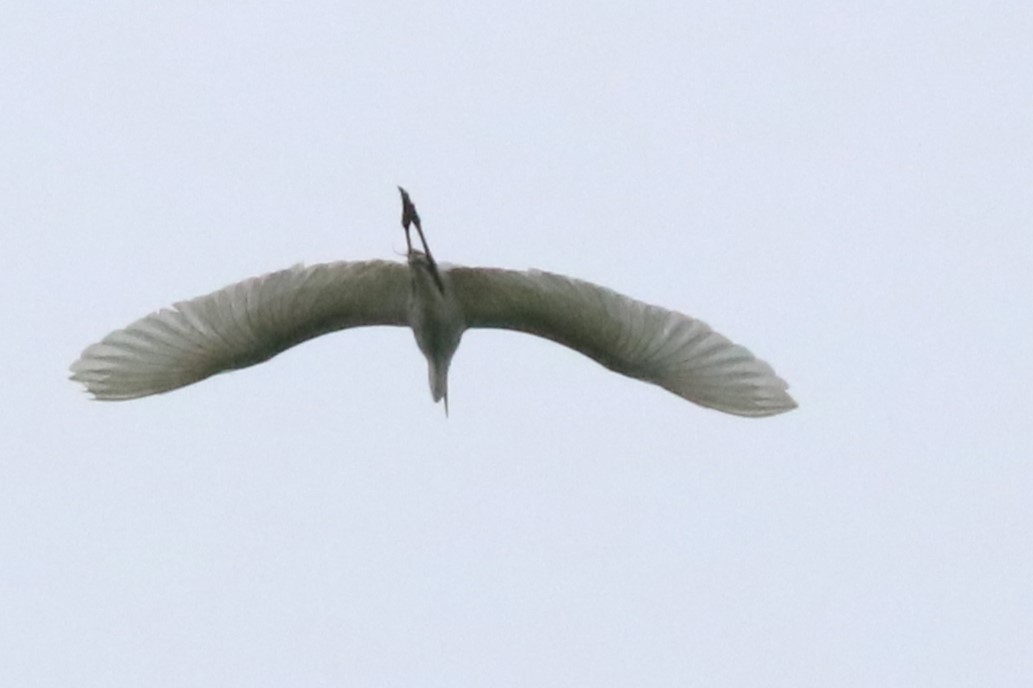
(252,321)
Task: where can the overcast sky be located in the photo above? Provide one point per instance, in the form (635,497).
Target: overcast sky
(847,190)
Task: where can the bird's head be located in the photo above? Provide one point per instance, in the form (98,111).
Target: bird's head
(425,275)
(418,260)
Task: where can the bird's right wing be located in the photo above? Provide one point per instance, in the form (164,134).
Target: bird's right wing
(241,325)
(669,349)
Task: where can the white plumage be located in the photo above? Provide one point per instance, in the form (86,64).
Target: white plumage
(252,321)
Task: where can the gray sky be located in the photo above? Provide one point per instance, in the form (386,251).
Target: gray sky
(846,190)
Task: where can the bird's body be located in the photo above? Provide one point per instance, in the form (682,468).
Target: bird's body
(437,322)
(252,321)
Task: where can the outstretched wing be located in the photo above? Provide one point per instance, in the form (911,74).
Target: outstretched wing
(679,353)
(241,325)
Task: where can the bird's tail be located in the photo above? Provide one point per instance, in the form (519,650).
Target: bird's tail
(439,383)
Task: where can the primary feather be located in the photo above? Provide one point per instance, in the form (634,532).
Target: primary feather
(681,354)
(241,325)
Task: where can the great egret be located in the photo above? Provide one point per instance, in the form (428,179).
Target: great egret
(252,321)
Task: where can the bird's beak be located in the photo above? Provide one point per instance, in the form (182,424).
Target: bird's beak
(411,217)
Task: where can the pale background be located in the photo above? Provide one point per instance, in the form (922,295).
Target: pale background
(845,189)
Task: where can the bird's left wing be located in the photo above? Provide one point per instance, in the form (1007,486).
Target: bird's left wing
(241,325)
(650,343)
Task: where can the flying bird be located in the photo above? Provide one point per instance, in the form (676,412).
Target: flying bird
(251,321)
